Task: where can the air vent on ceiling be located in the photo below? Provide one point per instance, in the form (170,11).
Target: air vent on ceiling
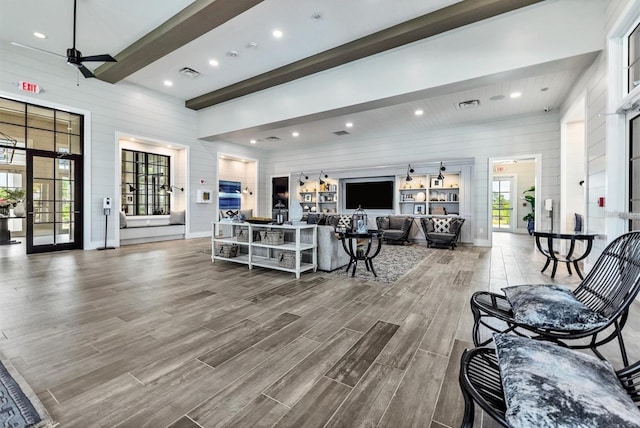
(468,104)
(341,133)
(189,72)
(273,138)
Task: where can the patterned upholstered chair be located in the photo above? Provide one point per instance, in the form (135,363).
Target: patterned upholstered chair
(442,231)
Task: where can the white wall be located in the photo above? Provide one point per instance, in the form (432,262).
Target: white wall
(121,108)
(528,135)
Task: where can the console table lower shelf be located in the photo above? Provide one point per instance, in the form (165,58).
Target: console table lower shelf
(298,240)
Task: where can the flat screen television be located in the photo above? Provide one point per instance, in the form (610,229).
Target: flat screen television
(370,195)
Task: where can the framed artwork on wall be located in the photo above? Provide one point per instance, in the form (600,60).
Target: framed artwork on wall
(307,197)
(435,182)
(204,196)
(419,209)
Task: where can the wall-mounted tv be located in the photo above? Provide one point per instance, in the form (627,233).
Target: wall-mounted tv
(370,195)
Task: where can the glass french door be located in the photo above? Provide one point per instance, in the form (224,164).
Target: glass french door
(501,204)
(54,201)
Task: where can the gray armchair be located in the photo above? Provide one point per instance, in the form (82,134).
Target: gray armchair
(442,231)
(395,229)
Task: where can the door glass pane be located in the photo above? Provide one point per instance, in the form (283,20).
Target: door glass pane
(501,204)
(43,234)
(68,122)
(12,111)
(40,117)
(13,136)
(67,143)
(40,139)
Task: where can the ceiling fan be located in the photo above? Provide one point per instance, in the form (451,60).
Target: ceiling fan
(74,56)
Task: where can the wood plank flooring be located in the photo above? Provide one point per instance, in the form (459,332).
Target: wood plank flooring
(156,335)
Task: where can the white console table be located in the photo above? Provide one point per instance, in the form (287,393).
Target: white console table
(254,252)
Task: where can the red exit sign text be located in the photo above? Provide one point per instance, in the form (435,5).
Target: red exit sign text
(34,88)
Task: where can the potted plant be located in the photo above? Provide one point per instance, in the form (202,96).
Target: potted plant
(529,196)
(12,197)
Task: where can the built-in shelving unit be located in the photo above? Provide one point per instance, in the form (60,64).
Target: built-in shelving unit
(317,198)
(299,241)
(426,194)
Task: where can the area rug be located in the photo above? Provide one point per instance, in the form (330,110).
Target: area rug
(19,405)
(392,262)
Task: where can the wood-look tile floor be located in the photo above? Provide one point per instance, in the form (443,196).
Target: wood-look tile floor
(156,335)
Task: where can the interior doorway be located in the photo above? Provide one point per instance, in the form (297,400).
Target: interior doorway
(509,181)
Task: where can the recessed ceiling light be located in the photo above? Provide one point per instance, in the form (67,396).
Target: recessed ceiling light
(295,133)
(214,62)
(277,34)
(316,15)
(545,89)
(168,83)
(39,35)
(349,124)
(251,45)
(515,94)
(497,97)
(233,54)
(252,141)
(418,112)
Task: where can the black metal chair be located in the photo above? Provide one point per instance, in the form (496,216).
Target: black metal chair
(609,289)
(481,384)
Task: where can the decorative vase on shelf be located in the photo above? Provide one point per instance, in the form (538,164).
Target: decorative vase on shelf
(295,210)
(18,209)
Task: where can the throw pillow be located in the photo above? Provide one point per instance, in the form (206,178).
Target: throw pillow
(383,223)
(176,217)
(441,225)
(344,222)
(396,223)
(546,385)
(428,225)
(123,220)
(455,225)
(551,306)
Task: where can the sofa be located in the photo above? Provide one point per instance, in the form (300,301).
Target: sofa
(331,254)
(395,228)
(442,231)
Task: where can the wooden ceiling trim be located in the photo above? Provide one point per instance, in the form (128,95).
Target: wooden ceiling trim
(437,22)
(197,19)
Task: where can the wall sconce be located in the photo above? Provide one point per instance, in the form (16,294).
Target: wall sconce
(442,168)
(246,190)
(409,171)
(169,188)
(300,179)
(322,182)
(131,188)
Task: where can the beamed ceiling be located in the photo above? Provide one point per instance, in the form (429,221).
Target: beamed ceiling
(152,41)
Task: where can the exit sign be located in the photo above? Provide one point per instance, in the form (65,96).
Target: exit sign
(34,88)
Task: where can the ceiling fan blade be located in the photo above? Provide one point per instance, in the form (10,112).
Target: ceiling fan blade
(85,71)
(105,58)
(37,49)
